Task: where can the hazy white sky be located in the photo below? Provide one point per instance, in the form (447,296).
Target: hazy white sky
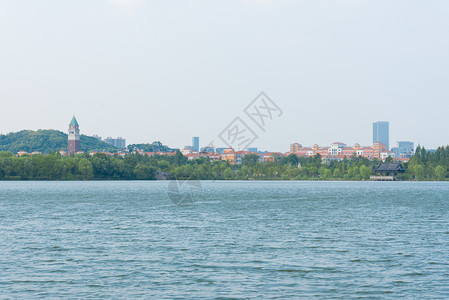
(169,70)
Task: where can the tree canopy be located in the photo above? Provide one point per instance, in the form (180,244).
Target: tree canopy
(46,141)
(424,165)
(153,147)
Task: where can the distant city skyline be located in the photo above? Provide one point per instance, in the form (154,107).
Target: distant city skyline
(196,143)
(334,67)
(380,128)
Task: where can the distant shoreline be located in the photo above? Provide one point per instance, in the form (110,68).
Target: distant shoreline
(221,180)
(423,166)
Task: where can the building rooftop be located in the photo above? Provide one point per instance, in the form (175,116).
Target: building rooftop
(389,167)
(73,122)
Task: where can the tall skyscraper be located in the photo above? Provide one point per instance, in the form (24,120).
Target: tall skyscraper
(196,144)
(381,133)
(74,136)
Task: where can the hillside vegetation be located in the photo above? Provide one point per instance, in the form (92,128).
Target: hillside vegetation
(154,147)
(46,141)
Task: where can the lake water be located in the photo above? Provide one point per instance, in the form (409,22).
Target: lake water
(229,240)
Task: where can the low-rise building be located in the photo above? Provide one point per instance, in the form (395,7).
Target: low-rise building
(385,154)
(271,156)
(348,151)
(295,147)
(366,152)
(187,150)
(378,148)
(336,148)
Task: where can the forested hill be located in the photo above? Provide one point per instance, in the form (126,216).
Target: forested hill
(154,147)
(47,140)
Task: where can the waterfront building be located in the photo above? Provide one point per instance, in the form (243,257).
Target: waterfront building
(387,172)
(196,143)
(74,137)
(381,133)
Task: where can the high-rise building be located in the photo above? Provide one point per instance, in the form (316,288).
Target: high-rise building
(381,133)
(118,142)
(404,149)
(196,143)
(74,137)
(406,144)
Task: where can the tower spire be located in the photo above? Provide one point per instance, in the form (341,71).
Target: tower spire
(74,136)
(73,122)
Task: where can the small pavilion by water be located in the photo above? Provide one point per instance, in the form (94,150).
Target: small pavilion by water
(387,172)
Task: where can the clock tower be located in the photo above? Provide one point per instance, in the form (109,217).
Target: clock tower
(74,137)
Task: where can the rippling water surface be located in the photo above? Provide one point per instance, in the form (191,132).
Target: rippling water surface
(237,240)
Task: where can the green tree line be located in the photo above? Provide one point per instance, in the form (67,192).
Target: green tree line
(135,166)
(153,147)
(426,165)
(422,166)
